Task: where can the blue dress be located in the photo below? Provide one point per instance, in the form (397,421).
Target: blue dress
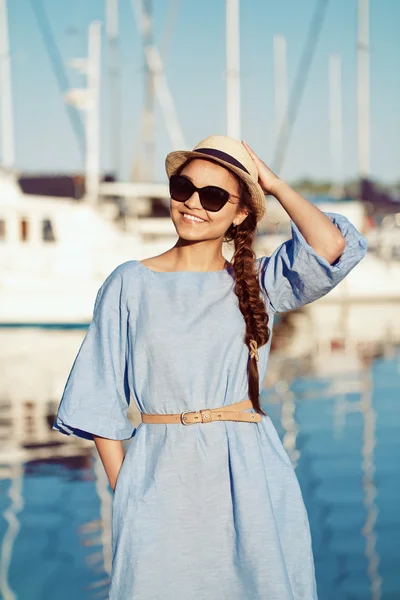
(206,511)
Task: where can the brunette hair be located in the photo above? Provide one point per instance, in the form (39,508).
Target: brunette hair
(247,286)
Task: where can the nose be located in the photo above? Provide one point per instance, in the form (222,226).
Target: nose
(194,201)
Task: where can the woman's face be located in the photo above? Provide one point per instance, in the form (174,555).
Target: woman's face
(213,224)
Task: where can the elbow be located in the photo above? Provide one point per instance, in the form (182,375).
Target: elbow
(337,249)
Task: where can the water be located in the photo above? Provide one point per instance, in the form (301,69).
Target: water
(336,409)
(342,435)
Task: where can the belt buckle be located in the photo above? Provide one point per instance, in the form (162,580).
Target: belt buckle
(185,412)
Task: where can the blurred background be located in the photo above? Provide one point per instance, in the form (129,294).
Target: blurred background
(93,95)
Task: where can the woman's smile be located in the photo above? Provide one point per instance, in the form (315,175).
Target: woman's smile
(192,219)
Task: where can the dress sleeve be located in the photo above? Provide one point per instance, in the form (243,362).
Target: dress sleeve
(295,275)
(96,396)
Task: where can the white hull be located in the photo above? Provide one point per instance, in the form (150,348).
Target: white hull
(50,274)
(48,300)
(69,300)
(55,280)
(372,280)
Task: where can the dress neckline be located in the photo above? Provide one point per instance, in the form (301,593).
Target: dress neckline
(224,270)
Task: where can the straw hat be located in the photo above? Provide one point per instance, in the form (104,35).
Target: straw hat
(229,153)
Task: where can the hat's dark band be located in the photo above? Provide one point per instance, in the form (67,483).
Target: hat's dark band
(223,156)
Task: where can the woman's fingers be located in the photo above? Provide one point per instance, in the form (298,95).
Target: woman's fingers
(260,164)
(250,151)
(266,177)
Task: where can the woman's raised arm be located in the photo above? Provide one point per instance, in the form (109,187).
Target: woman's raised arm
(317,229)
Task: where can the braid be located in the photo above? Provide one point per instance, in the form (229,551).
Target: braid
(247,289)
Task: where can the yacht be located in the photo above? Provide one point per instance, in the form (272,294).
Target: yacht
(56,252)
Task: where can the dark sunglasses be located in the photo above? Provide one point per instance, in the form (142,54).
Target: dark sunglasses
(212,197)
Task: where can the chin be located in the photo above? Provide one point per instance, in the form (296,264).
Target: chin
(184,234)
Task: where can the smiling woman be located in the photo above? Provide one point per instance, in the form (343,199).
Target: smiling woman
(216,204)
(213,511)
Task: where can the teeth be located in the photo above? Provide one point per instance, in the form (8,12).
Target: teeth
(193,218)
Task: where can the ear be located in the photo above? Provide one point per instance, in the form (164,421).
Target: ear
(240,217)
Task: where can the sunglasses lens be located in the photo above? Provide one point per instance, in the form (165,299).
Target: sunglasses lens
(180,188)
(213,198)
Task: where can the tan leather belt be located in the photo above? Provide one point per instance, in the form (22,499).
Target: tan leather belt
(231,412)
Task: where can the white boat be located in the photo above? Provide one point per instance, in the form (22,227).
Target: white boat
(375,279)
(56,252)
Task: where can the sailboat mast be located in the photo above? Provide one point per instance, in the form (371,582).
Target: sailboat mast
(280,87)
(149,100)
(114,90)
(336,124)
(363,89)
(92,167)
(233,69)
(7,148)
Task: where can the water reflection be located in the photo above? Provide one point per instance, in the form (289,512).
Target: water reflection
(337,414)
(332,391)
(55,504)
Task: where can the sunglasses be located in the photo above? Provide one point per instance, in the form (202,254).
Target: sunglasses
(212,197)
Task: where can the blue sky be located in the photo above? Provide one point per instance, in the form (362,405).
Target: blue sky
(195,68)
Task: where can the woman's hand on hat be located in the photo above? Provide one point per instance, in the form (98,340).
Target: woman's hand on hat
(266,178)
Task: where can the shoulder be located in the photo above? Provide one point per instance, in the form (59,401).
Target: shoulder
(261,262)
(127,267)
(261,270)
(121,283)
(125,273)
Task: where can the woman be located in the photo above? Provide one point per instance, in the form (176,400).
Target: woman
(214,511)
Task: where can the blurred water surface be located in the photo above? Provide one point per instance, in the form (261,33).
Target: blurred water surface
(336,408)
